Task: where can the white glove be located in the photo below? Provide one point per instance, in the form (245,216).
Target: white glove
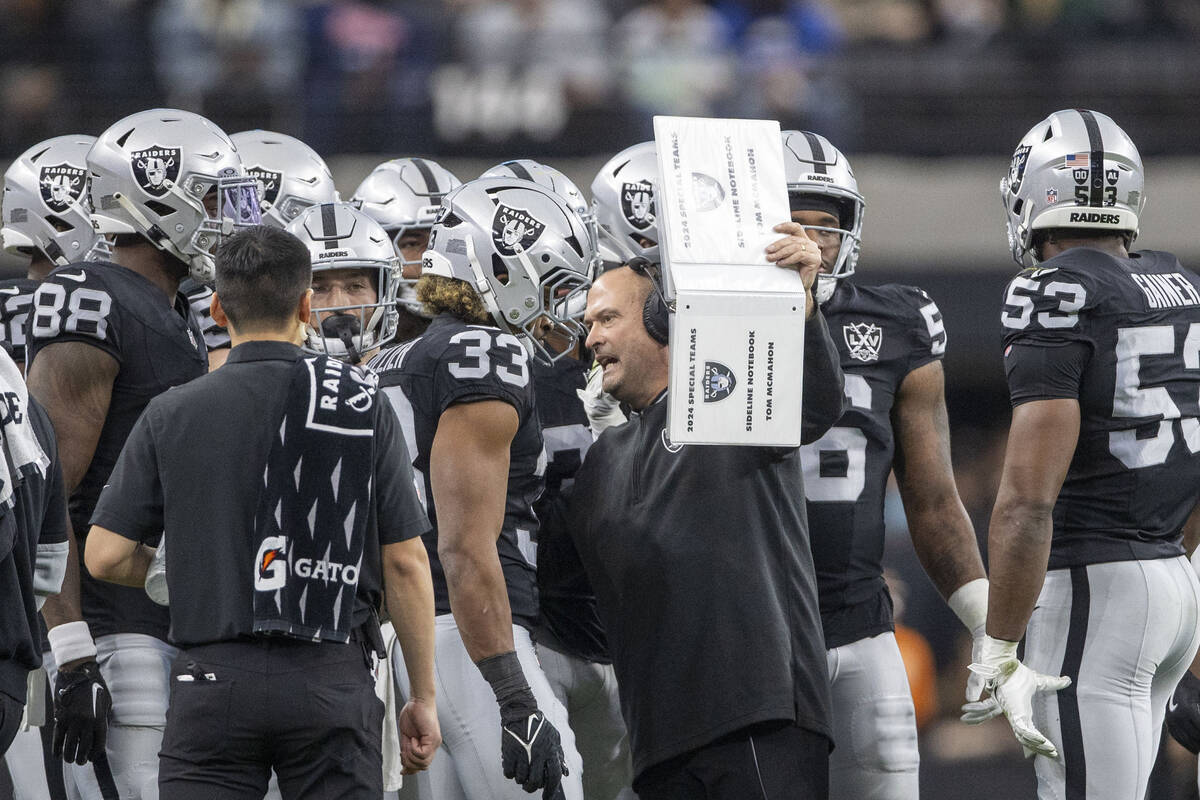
(1012,686)
(603,410)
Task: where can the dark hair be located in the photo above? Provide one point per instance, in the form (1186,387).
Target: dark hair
(262,273)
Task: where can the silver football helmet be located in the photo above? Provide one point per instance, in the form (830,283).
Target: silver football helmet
(404,194)
(46,202)
(554,180)
(342,237)
(1074,169)
(156,173)
(623,198)
(523,249)
(816,170)
(291,176)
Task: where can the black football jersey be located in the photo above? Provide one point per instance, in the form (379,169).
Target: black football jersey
(199,297)
(158,345)
(569,622)
(1122,335)
(882,333)
(456,362)
(16,296)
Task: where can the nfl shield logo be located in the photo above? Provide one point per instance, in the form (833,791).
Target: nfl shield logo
(1051,196)
(718,381)
(61,185)
(156,169)
(637,204)
(268,184)
(864,340)
(514,230)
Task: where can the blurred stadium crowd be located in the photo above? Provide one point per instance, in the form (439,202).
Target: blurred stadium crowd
(564,77)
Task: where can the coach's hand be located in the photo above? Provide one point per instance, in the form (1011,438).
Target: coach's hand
(532,754)
(797,251)
(1183,713)
(81,706)
(1012,686)
(420,735)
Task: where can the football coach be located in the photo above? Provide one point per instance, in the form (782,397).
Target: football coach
(700,560)
(282,484)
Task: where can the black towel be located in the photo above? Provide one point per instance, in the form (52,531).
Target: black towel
(311,520)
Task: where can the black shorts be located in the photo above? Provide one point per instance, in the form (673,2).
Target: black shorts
(770,761)
(240,709)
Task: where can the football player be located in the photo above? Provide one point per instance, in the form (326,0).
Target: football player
(291,177)
(1102,467)
(403,195)
(505,257)
(623,199)
(569,638)
(355,278)
(890,341)
(104,338)
(46,219)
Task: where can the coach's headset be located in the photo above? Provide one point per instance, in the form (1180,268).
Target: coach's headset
(656,311)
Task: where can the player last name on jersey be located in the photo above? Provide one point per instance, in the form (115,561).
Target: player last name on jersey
(1167,290)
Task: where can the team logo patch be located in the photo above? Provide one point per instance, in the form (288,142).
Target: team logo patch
(1051,196)
(1080,175)
(1111,176)
(707,192)
(61,185)
(514,230)
(637,204)
(268,183)
(718,381)
(1016,170)
(156,169)
(864,340)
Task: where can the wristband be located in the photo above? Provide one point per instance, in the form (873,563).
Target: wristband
(969,603)
(503,673)
(71,641)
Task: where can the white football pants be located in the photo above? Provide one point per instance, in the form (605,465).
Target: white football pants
(874,722)
(589,692)
(1124,632)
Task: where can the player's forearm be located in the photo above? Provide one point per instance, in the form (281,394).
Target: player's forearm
(410,603)
(1019,549)
(64,607)
(479,599)
(944,541)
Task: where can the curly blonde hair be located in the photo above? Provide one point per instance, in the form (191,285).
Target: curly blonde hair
(450,295)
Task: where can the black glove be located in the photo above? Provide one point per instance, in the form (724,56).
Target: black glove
(1183,713)
(81,706)
(532,754)
(530,750)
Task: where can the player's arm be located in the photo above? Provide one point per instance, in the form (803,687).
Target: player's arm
(1041,443)
(468,473)
(73,381)
(942,534)
(113,557)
